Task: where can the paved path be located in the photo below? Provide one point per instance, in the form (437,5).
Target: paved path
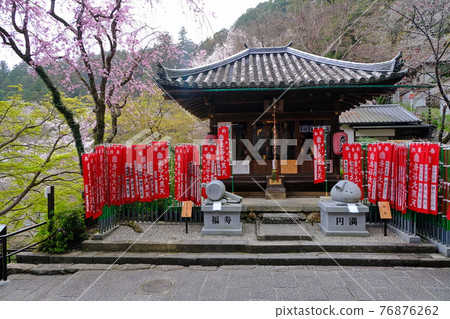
(149,282)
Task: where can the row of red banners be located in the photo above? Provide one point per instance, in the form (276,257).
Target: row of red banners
(391,178)
(117,175)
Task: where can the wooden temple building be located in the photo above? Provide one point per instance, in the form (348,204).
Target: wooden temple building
(299,90)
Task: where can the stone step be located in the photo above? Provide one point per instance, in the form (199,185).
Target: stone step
(253,246)
(283,218)
(277,232)
(219,259)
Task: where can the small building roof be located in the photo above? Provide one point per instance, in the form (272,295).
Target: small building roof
(279,67)
(378,114)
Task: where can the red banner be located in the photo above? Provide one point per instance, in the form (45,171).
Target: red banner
(372,172)
(178,172)
(357,167)
(196,175)
(113,176)
(401,179)
(139,174)
(187,174)
(88,184)
(190,172)
(346,161)
(434,154)
(100,180)
(208,165)
(384,171)
(417,158)
(122,154)
(161,169)
(129,176)
(394,176)
(319,155)
(223,167)
(351,158)
(150,177)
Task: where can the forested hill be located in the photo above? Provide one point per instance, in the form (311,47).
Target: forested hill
(33,88)
(353,30)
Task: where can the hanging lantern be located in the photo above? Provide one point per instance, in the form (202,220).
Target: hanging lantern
(339,138)
(210,139)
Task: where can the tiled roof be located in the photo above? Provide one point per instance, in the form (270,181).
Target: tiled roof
(280,67)
(378,114)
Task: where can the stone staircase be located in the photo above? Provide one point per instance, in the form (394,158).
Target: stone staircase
(273,244)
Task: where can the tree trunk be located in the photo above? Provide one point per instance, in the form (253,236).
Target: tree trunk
(447,102)
(113,128)
(99,132)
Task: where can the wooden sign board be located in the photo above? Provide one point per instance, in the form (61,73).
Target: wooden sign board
(385,210)
(186,210)
(241,167)
(288,166)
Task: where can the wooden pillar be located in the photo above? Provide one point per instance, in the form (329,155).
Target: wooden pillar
(212,119)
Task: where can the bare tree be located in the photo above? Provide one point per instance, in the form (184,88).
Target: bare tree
(429,20)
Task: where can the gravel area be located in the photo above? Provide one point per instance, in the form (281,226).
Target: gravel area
(173,233)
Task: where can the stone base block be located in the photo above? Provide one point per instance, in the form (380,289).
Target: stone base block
(363,233)
(406,237)
(275,193)
(444,250)
(223,232)
(101,236)
(226,223)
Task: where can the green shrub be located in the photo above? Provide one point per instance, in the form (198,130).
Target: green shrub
(64,231)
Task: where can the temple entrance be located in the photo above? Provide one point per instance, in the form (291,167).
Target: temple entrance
(255,146)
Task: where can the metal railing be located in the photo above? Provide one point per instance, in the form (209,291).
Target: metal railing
(4,247)
(4,255)
(163,210)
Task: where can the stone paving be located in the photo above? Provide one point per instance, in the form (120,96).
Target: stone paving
(282,283)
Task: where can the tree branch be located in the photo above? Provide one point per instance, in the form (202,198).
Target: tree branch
(58,18)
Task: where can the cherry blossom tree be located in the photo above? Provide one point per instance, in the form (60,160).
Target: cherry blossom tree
(98,45)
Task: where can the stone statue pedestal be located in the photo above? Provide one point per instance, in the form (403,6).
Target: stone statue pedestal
(226,221)
(337,220)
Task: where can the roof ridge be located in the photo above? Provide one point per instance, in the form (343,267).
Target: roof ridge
(393,65)
(378,114)
(379,105)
